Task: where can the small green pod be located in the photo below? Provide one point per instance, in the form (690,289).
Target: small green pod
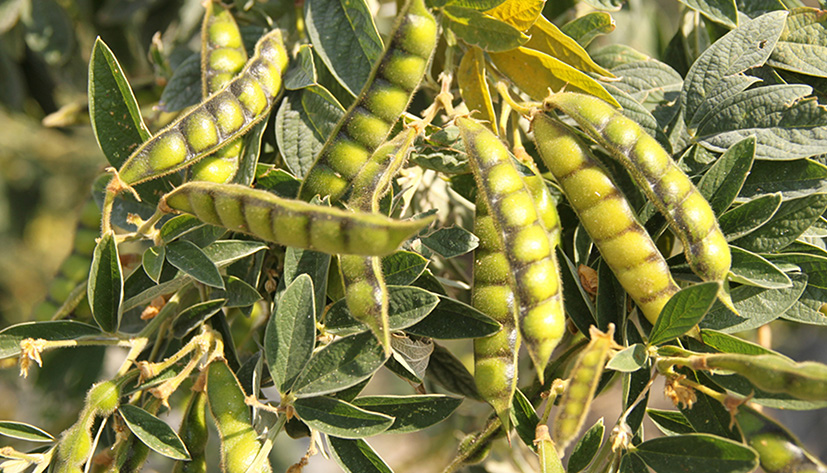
(622,241)
(549,459)
(220,118)
(778,450)
(384,98)
(75,445)
(688,213)
(239,441)
(585,374)
(533,270)
(195,434)
(291,222)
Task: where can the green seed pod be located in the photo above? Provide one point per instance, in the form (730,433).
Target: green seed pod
(549,459)
(534,274)
(194,433)
(384,98)
(104,397)
(778,450)
(239,441)
(577,398)
(75,445)
(771,373)
(222,117)
(688,213)
(291,222)
(546,209)
(623,242)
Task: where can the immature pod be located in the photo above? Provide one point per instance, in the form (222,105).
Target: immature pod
(585,375)
(534,274)
(545,207)
(778,450)
(672,192)
(291,222)
(384,98)
(365,292)
(194,433)
(239,441)
(607,216)
(222,117)
(222,57)
(549,459)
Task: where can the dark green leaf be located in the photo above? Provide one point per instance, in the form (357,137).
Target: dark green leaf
(153,262)
(524,418)
(336,417)
(195,315)
(224,252)
(451,241)
(649,81)
(22,431)
(792,219)
(587,27)
(411,413)
(748,217)
(754,270)
(291,333)
(409,357)
(709,416)
(670,422)
(190,259)
(792,179)
(719,11)
(452,319)
(726,343)
(697,453)
(313,263)
(630,359)
(406,306)
(683,311)
(483,31)
(237,293)
(302,72)
(810,306)
(724,180)
(451,374)
(105,289)
(277,181)
(631,463)
(403,267)
(579,306)
(154,432)
(802,46)
(586,448)
(179,226)
(184,87)
(249,156)
(611,298)
(11,336)
(356,456)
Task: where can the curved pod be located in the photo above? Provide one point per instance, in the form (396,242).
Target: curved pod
(607,217)
(534,274)
(291,222)
(224,116)
(384,98)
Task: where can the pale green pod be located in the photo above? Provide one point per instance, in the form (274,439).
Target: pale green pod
(384,98)
(607,217)
(195,433)
(291,222)
(223,116)
(549,459)
(778,450)
(534,273)
(672,192)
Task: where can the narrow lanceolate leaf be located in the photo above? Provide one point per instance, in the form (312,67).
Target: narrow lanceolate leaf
(356,456)
(411,413)
(670,422)
(344,35)
(312,263)
(683,311)
(407,305)
(788,223)
(195,315)
(113,110)
(792,179)
(153,262)
(11,336)
(474,88)
(754,270)
(154,432)
(697,452)
(547,38)
(105,290)
(342,364)
(724,180)
(192,260)
(341,419)
(585,450)
(589,26)
(452,319)
(22,431)
(524,418)
(451,241)
(403,267)
(720,11)
(291,333)
(748,217)
(483,31)
(802,46)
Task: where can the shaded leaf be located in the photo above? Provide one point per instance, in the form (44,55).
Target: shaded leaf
(792,179)
(411,413)
(452,319)
(195,315)
(586,448)
(791,219)
(11,336)
(154,432)
(105,289)
(291,333)
(406,306)
(190,259)
(356,456)
(670,422)
(748,217)
(344,420)
(403,267)
(184,87)
(697,452)
(451,241)
(589,26)
(719,11)
(723,182)
(153,262)
(683,311)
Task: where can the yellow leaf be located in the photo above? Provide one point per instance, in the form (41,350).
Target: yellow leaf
(520,14)
(474,89)
(547,38)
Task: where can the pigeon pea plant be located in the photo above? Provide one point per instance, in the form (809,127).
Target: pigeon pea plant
(306,220)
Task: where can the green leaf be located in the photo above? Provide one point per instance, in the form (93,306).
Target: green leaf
(616,54)
(446,370)
(153,262)
(195,315)
(754,270)
(178,226)
(579,306)
(547,38)
(483,31)
(113,110)
(709,416)
(670,422)
(748,217)
(345,37)
(238,293)
(409,357)
(720,11)
(589,26)
(11,336)
(313,263)
(726,343)
(406,306)
(304,121)
(302,71)
(154,432)
(697,452)
(22,431)
(521,14)
(481,5)
(792,219)
(248,161)
(451,241)
(524,418)
(452,319)
(683,311)
(792,179)
(190,259)
(48,31)
(343,363)
(631,463)
(723,182)
(356,456)
(802,46)
(403,267)
(586,448)
(224,252)
(630,359)
(105,289)
(277,181)
(339,418)
(184,87)
(291,333)
(809,308)
(649,81)
(411,413)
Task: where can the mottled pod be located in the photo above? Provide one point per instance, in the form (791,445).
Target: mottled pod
(222,117)
(222,57)
(585,375)
(239,441)
(195,434)
(534,274)
(672,192)
(291,222)
(384,98)
(607,216)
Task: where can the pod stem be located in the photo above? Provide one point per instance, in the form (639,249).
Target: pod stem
(523,108)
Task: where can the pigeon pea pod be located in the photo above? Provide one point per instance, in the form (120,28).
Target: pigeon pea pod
(290,222)
(223,116)
(607,217)
(778,450)
(689,214)
(384,98)
(534,274)
(195,434)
